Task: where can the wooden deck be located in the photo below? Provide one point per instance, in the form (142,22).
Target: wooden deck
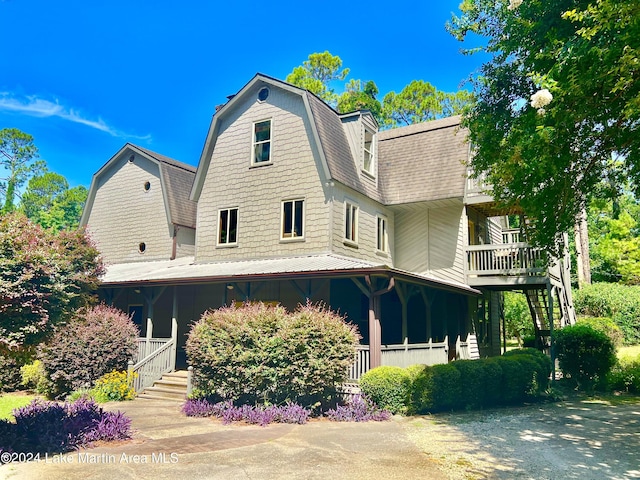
(504,264)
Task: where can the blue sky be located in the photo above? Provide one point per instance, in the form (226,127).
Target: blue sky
(85,77)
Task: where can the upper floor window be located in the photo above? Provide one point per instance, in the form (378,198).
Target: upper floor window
(368,161)
(383,240)
(292,219)
(351,222)
(228,226)
(261,142)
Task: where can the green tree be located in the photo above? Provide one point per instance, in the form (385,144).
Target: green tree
(614,231)
(419,102)
(48,201)
(316,73)
(559,98)
(45,277)
(18,157)
(361,97)
(517,316)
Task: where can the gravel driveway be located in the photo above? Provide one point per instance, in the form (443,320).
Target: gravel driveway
(572,439)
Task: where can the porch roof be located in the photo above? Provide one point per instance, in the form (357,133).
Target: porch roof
(185,270)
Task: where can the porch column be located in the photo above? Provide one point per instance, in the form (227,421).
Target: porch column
(151,296)
(427,305)
(174,328)
(375,330)
(551,346)
(404,295)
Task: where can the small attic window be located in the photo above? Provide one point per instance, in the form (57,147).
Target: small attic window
(368,161)
(147,186)
(142,247)
(263,94)
(131,158)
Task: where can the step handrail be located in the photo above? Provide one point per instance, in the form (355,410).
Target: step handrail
(150,368)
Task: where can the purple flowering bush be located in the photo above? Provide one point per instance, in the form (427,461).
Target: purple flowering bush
(358,409)
(257,415)
(50,427)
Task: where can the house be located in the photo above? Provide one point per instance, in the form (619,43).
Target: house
(292,201)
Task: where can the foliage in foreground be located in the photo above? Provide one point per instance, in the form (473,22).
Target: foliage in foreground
(585,355)
(557,108)
(97,341)
(113,387)
(388,387)
(50,427)
(625,375)
(257,354)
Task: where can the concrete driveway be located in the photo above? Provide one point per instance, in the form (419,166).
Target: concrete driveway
(578,439)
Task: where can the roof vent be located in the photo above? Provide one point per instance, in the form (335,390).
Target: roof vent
(263,94)
(131,158)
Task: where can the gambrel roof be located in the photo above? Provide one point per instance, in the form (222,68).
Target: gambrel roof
(423,162)
(176,179)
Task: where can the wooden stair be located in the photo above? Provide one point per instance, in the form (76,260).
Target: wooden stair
(539,307)
(172,386)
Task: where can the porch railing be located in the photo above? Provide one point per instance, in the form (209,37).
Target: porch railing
(505,259)
(151,368)
(401,355)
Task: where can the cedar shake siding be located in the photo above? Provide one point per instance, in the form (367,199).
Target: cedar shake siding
(257,191)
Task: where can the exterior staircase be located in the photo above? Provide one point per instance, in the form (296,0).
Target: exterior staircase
(172,386)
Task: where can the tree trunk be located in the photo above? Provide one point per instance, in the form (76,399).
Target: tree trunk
(583,260)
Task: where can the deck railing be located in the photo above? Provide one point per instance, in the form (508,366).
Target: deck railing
(505,259)
(143,373)
(146,346)
(401,355)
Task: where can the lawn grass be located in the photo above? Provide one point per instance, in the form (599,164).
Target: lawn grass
(9,401)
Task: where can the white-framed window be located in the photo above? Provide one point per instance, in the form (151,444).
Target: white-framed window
(351,222)
(261,143)
(292,219)
(368,160)
(228,226)
(382,243)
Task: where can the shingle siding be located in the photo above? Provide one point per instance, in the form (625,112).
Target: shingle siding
(124,215)
(258,192)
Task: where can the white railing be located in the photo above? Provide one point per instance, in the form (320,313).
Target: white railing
(146,346)
(505,259)
(401,355)
(151,368)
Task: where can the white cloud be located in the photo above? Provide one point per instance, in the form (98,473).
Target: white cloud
(40,107)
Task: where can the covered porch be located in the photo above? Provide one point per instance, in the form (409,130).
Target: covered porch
(403,318)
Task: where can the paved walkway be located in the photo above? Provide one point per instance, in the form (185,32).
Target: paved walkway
(168,445)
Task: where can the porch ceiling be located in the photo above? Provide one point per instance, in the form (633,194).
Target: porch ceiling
(185,271)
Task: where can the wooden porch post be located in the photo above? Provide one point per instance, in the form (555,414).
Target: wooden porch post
(149,333)
(375,330)
(551,346)
(427,305)
(174,328)
(404,295)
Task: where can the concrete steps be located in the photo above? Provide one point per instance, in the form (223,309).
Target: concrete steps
(172,386)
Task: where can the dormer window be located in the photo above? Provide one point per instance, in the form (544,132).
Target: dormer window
(261,142)
(368,161)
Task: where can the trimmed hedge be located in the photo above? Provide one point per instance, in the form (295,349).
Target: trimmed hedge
(518,376)
(387,387)
(256,354)
(585,355)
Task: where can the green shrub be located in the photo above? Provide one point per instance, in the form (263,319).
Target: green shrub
(493,379)
(113,387)
(11,361)
(97,341)
(607,326)
(435,388)
(519,378)
(473,383)
(259,353)
(80,393)
(625,375)
(621,303)
(34,376)
(517,316)
(388,387)
(585,355)
(543,370)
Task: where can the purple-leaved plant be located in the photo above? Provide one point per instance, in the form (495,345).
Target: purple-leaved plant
(358,409)
(228,413)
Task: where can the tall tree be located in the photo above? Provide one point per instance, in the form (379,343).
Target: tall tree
(18,157)
(316,73)
(419,102)
(50,202)
(359,96)
(559,98)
